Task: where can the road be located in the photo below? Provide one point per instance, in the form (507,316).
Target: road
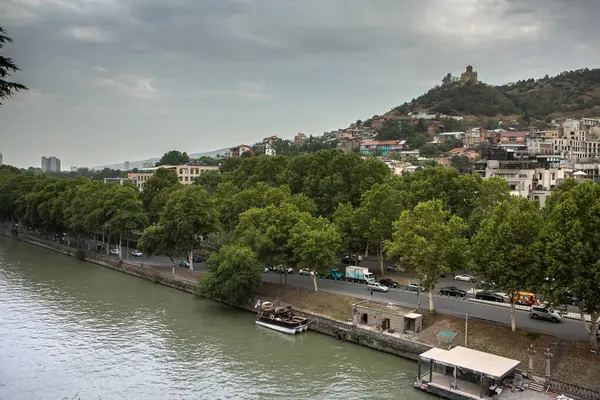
(568,329)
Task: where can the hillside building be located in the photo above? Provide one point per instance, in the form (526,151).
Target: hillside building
(239,150)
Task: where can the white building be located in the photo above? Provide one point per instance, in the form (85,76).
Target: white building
(269,150)
(532,179)
(580,139)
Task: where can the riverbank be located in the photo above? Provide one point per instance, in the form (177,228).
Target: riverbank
(331,315)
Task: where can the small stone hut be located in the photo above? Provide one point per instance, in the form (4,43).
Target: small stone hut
(386,317)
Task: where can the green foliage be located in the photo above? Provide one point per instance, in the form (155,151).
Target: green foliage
(209,180)
(428,240)
(157,241)
(80,254)
(157,190)
(173,157)
(234,274)
(573,91)
(570,249)
(315,243)
(504,247)
(7,68)
(533,335)
(380,207)
(188,217)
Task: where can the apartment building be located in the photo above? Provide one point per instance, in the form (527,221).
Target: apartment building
(50,164)
(532,178)
(579,139)
(382,147)
(185,173)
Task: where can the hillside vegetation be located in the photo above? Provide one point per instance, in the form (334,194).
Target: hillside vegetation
(569,93)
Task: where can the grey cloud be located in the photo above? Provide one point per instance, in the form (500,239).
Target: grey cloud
(145,66)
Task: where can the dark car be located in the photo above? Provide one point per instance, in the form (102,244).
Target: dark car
(452,291)
(392,284)
(489,296)
(351,260)
(198,259)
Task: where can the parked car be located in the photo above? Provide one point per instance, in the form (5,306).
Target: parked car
(136,253)
(198,259)
(489,296)
(390,283)
(541,312)
(184,264)
(377,287)
(415,287)
(281,269)
(464,278)
(114,252)
(351,260)
(306,272)
(486,285)
(266,269)
(442,274)
(452,291)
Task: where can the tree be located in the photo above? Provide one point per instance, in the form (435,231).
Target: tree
(380,207)
(504,247)
(124,211)
(348,225)
(156,241)
(429,150)
(429,240)
(209,180)
(389,130)
(156,191)
(7,68)
(234,274)
(189,216)
(570,250)
(315,243)
(173,157)
(463,164)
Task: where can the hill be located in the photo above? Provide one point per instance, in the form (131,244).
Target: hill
(568,93)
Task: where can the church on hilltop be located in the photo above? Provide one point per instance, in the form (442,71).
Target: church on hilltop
(469,75)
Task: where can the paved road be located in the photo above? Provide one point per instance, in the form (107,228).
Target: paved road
(568,329)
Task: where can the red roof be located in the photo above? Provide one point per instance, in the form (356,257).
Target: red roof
(459,150)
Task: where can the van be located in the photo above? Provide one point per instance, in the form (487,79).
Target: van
(526,299)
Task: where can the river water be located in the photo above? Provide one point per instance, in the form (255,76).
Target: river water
(75,330)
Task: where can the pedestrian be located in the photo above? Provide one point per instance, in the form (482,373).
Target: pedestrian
(371,290)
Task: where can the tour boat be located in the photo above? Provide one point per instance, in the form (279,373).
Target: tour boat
(281,319)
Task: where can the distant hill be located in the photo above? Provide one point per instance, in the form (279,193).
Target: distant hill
(140,164)
(569,93)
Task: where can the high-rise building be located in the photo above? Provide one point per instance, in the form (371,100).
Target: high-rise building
(126,165)
(50,164)
(74,169)
(0,158)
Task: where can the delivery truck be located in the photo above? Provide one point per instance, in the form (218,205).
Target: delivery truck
(359,274)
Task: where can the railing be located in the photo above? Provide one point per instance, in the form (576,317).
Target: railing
(323,320)
(570,389)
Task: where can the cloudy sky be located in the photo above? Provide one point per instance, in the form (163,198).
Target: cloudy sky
(115,80)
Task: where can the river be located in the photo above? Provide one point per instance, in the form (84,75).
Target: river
(75,330)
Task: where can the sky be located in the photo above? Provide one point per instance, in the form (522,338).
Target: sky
(116,80)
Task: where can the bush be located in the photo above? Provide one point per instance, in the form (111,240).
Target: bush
(533,335)
(80,254)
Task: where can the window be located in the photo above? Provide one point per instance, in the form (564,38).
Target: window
(186,178)
(181,178)
(553,176)
(181,170)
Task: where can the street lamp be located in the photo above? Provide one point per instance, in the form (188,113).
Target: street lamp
(548,356)
(531,353)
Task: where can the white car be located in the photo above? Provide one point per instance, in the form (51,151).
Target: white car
(377,287)
(114,252)
(464,278)
(306,272)
(136,253)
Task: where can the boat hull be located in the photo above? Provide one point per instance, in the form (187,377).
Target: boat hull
(279,328)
